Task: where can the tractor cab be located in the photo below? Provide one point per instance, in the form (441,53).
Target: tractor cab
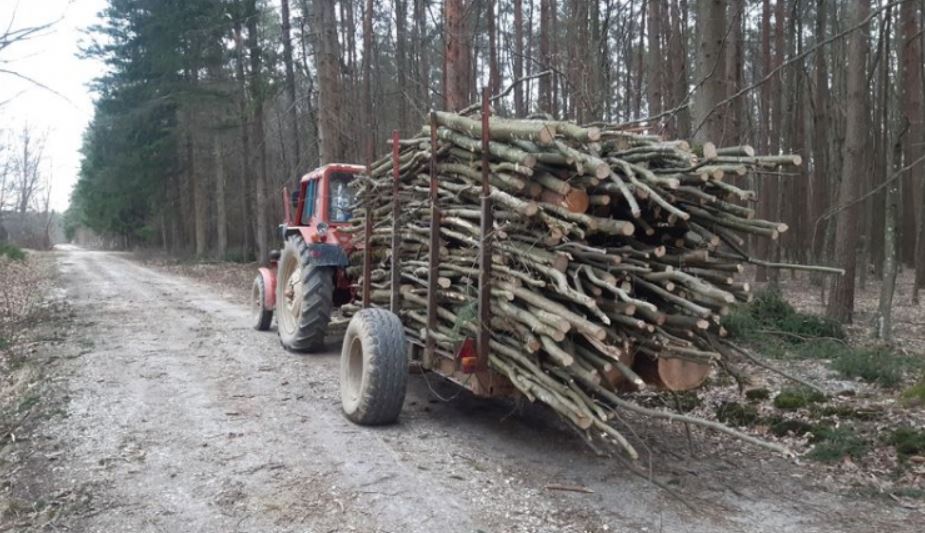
(322,204)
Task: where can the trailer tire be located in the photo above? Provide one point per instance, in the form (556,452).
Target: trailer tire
(262,316)
(373,368)
(302,316)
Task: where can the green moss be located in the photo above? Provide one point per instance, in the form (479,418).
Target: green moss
(836,443)
(756,395)
(907,441)
(737,414)
(797,397)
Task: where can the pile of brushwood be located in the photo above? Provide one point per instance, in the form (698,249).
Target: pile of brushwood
(614,258)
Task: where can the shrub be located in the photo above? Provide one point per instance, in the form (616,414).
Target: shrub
(12,252)
(876,365)
(773,325)
(797,397)
(907,441)
(914,395)
(737,414)
(835,443)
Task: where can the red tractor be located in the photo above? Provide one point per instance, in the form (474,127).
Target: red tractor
(307,279)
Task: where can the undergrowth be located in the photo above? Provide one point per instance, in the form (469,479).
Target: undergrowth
(12,252)
(773,327)
(834,444)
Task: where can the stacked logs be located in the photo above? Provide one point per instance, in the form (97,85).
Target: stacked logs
(614,257)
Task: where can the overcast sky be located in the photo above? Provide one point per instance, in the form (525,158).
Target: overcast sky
(52,60)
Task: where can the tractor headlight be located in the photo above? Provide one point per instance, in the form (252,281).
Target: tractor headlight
(322,229)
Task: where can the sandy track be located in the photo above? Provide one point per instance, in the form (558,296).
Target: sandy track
(182,418)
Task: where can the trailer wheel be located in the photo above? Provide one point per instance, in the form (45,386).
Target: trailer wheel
(373,368)
(261,315)
(304,298)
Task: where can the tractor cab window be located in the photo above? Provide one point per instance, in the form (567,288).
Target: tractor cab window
(308,208)
(341,196)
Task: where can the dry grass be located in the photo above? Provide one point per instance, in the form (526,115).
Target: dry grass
(25,284)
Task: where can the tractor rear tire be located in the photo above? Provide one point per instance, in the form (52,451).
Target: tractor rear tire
(373,368)
(263,317)
(304,298)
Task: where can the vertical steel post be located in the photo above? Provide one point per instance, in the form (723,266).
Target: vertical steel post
(367,243)
(485,243)
(396,240)
(434,259)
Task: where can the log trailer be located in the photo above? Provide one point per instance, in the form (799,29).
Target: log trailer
(307,279)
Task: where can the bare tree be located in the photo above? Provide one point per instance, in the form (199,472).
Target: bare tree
(841,300)
(27,176)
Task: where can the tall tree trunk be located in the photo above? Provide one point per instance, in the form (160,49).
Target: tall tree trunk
(494,74)
(519,108)
(735,60)
(819,189)
(369,132)
(221,217)
(327,53)
(290,89)
(768,185)
(910,84)
(656,62)
(401,63)
(711,18)
(545,83)
(420,52)
(246,173)
(261,233)
(677,58)
(456,56)
(841,299)
(914,142)
(883,324)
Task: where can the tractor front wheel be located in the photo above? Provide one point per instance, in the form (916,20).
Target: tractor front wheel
(304,298)
(261,315)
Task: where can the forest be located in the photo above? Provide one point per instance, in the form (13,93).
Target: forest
(210,107)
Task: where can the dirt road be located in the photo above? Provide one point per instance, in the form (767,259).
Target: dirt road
(182,418)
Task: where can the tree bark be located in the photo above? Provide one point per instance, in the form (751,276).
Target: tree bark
(712,22)
(402,65)
(245,174)
(841,299)
(327,53)
(656,61)
(494,74)
(819,189)
(883,324)
(545,83)
(910,54)
(293,114)
(456,56)
(519,107)
(369,132)
(257,93)
(221,216)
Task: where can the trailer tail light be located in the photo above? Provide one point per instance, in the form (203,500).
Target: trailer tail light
(468,356)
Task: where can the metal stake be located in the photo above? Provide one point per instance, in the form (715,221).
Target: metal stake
(434,259)
(485,242)
(396,241)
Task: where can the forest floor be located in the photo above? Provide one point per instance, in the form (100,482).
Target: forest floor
(164,411)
